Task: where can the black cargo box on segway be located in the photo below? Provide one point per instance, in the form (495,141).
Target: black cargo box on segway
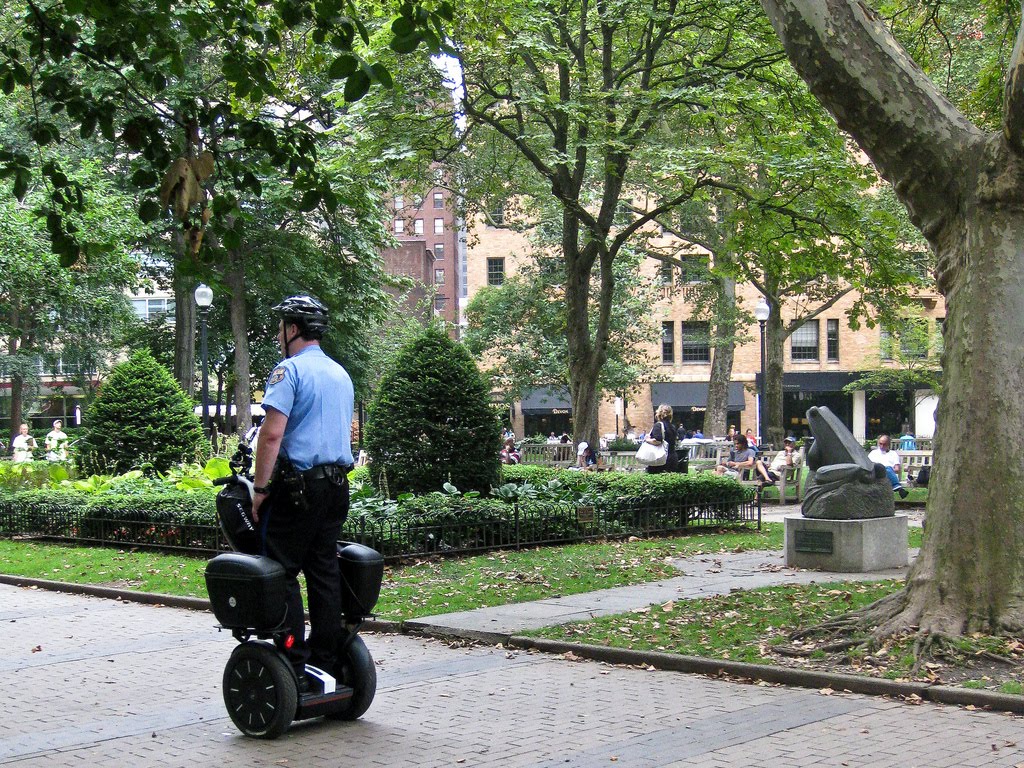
(246,591)
(261,691)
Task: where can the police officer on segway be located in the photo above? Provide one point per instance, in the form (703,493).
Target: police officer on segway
(300,494)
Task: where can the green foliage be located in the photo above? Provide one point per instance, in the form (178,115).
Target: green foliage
(41,511)
(520,326)
(168,518)
(31,474)
(223,63)
(623,444)
(432,422)
(141,417)
(702,487)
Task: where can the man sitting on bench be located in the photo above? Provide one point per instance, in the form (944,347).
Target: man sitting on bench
(741,458)
(783,461)
(891,461)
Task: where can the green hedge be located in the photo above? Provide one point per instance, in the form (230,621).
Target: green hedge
(615,503)
(43,511)
(161,518)
(701,487)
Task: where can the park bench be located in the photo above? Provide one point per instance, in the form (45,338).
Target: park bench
(912,462)
(558,455)
(791,481)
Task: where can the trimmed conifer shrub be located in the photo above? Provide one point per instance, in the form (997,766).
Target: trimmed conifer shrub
(141,417)
(432,421)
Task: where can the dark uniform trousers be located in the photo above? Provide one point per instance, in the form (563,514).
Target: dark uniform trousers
(302,534)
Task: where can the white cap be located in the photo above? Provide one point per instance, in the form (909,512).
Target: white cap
(583,446)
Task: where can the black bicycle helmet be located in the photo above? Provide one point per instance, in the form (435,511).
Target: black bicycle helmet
(305,311)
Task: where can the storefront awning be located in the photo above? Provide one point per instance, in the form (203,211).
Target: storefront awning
(817,381)
(544,400)
(688,396)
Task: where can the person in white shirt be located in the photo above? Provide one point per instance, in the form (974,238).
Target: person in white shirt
(788,457)
(56,443)
(891,461)
(23,444)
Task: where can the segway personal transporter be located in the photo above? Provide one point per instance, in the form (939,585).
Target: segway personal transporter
(247,592)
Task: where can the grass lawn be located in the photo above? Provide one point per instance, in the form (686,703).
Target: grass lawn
(419,588)
(754,626)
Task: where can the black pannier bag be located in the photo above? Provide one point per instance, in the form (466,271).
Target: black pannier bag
(362,571)
(246,591)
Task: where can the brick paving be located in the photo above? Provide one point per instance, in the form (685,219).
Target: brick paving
(93,682)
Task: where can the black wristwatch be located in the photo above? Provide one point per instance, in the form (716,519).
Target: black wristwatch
(263,489)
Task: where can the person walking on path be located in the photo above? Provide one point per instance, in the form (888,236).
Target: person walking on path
(303,457)
(664,432)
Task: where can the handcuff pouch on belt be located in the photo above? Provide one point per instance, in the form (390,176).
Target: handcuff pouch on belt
(288,481)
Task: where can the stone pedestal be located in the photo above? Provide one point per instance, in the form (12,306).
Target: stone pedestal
(846,546)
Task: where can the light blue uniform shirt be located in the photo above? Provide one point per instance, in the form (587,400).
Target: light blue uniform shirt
(316,395)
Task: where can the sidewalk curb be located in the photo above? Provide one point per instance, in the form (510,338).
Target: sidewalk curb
(800,678)
(668,662)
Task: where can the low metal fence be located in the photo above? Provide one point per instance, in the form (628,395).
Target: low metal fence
(525,525)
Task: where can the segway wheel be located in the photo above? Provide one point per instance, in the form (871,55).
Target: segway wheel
(259,691)
(356,670)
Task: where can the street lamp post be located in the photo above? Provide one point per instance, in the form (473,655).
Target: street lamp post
(761,312)
(204,298)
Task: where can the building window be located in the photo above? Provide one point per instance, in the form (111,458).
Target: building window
(496,215)
(439,199)
(668,342)
(832,339)
(439,251)
(695,342)
(666,272)
(399,202)
(914,338)
(440,303)
(147,309)
(438,277)
(399,226)
(496,271)
(885,344)
(695,269)
(804,344)
(417,226)
(438,226)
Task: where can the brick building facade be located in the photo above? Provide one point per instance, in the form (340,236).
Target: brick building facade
(821,358)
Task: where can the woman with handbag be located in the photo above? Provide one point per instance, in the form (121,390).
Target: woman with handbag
(663,435)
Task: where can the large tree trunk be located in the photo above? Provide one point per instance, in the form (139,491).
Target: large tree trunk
(965,192)
(184,331)
(775,363)
(17,402)
(724,344)
(235,279)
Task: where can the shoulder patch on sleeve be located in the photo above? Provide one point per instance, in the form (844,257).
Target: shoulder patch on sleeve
(277,375)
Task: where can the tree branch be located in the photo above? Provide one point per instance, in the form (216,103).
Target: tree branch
(852,64)
(1013,96)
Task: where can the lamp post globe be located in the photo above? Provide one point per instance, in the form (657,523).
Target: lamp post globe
(204,298)
(761,313)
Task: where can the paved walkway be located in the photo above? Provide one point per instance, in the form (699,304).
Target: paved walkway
(94,682)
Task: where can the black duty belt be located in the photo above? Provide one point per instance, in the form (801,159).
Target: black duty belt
(326,472)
